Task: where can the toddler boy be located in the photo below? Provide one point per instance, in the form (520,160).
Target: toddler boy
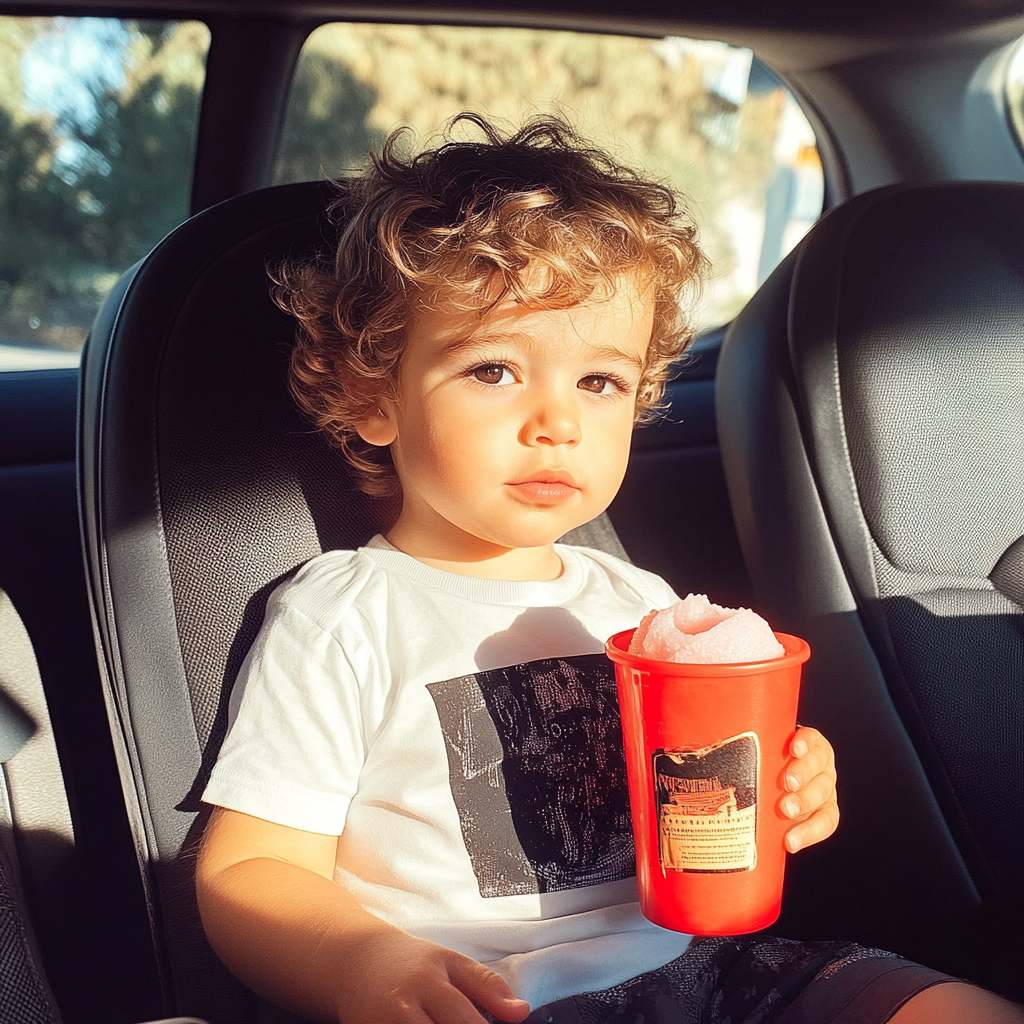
(421,808)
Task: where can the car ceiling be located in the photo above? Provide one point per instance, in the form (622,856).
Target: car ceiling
(793,35)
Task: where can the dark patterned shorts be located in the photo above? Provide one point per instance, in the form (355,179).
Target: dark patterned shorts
(755,981)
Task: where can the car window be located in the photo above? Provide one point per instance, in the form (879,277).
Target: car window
(704,115)
(98,121)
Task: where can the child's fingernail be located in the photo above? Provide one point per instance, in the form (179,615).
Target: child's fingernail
(790,806)
(793,843)
(792,783)
(799,748)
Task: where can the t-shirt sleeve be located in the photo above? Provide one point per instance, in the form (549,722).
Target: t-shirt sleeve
(296,739)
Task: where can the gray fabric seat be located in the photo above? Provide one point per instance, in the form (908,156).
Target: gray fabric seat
(33,806)
(33,813)
(871,419)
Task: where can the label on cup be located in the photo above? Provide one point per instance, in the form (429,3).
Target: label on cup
(707,806)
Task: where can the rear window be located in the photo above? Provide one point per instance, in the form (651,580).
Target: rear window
(707,116)
(98,123)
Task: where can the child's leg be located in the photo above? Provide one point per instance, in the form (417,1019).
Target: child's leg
(779,981)
(957,1003)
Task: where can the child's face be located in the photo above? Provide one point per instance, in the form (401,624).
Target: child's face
(514,427)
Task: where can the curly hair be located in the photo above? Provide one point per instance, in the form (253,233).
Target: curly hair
(538,216)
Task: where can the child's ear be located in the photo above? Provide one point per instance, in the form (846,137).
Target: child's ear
(379,426)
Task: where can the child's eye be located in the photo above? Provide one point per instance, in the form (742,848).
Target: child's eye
(602,384)
(492,373)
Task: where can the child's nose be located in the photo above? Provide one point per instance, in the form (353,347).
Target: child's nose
(555,421)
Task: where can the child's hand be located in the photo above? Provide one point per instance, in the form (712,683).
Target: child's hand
(810,780)
(406,980)
(274,914)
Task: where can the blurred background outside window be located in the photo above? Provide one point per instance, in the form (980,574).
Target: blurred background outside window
(703,115)
(98,122)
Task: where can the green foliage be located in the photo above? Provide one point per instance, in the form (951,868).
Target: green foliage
(327,132)
(147,140)
(81,202)
(31,196)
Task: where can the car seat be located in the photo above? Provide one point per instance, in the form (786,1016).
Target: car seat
(201,490)
(870,403)
(36,832)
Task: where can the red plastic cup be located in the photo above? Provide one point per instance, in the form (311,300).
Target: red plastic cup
(705,749)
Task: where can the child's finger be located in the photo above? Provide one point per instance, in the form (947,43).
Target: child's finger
(820,825)
(812,795)
(487,989)
(447,1005)
(806,739)
(800,771)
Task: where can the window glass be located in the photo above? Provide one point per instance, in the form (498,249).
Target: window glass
(97,132)
(704,115)
(1015,93)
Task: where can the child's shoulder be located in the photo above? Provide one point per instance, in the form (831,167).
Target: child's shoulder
(327,587)
(647,585)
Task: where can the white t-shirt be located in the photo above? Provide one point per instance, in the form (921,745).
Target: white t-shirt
(462,737)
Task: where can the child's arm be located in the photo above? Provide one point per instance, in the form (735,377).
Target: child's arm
(810,778)
(276,918)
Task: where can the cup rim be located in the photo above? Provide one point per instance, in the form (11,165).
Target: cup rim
(797,652)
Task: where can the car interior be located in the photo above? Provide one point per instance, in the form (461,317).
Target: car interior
(843,451)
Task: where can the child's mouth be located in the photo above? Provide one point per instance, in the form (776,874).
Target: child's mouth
(546,488)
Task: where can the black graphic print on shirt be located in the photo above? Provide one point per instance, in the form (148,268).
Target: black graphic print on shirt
(538,774)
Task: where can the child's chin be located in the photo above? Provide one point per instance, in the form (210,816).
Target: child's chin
(539,537)
(537,527)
